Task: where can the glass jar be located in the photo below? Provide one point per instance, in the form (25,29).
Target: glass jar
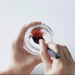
(29,44)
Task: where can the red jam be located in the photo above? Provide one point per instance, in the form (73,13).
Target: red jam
(37,33)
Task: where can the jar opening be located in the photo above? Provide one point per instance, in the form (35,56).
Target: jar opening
(37,33)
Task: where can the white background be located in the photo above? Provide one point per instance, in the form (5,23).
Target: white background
(58,14)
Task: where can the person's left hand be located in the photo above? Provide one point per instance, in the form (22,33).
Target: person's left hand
(22,62)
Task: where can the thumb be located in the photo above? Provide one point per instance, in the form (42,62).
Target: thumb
(44,55)
(21,34)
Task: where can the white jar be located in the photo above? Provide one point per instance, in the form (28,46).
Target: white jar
(32,47)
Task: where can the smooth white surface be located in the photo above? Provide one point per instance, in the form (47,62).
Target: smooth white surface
(58,14)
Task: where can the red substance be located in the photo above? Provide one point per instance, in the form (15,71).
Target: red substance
(37,33)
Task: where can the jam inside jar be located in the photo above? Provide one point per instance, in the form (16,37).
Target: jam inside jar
(39,31)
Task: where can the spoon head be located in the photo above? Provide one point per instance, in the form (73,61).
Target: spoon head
(37,40)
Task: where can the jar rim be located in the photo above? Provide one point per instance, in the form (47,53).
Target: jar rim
(27,44)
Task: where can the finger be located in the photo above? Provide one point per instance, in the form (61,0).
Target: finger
(56,48)
(44,55)
(64,53)
(24,29)
(69,54)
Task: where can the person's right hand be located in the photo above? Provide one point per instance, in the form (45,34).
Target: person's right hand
(64,65)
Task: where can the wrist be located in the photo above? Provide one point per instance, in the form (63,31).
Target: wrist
(7,71)
(19,69)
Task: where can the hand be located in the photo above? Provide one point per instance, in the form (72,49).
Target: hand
(22,62)
(64,65)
